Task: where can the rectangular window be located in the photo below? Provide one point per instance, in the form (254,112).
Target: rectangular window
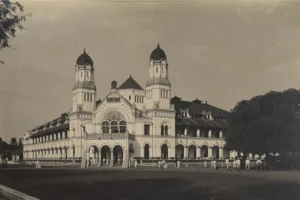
(156,69)
(84,97)
(91,97)
(146,129)
(129,97)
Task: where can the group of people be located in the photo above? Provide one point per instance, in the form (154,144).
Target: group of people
(236,164)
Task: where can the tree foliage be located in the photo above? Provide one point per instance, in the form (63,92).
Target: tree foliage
(11,18)
(13,141)
(267,123)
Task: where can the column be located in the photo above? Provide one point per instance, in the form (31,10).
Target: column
(51,136)
(209,152)
(58,135)
(111,158)
(221,153)
(198,132)
(185,131)
(221,134)
(150,130)
(70,152)
(209,133)
(198,153)
(185,152)
(63,135)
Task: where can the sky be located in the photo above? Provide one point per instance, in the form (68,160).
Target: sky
(218,51)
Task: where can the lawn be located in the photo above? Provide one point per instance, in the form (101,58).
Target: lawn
(76,184)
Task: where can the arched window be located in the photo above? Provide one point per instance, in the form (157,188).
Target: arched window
(114,127)
(166,130)
(122,127)
(156,69)
(105,127)
(162,130)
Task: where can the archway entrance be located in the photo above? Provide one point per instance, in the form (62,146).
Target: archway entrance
(105,155)
(204,151)
(215,152)
(179,149)
(192,152)
(118,155)
(164,151)
(146,151)
(93,155)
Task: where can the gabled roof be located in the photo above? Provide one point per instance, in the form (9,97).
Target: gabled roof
(130,83)
(196,108)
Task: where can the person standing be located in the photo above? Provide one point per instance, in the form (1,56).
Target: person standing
(234,164)
(227,164)
(258,164)
(247,163)
(238,164)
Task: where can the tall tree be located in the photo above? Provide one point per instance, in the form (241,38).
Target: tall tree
(11,19)
(13,141)
(266,124)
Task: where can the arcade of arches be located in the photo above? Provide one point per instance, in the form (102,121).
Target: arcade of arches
(190,152)
(106,155)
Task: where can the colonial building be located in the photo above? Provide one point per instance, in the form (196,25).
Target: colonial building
(130,122)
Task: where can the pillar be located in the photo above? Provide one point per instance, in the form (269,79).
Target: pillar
(198,132)
(70,152)
(111,158)
(54,136)
(221,153)
(198,153)
(185,152)
(58,135)
(209,133)
(185,131)
(51,136)
(209,152)
(221,134)
(63,135)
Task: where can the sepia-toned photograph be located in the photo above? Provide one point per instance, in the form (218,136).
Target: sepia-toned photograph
(149,100)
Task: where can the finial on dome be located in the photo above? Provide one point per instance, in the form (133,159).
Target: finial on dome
(158,45)
(130,75)
(84,50)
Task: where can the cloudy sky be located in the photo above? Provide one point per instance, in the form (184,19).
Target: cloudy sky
(221,52)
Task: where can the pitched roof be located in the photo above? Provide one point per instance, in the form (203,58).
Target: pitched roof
(130,83)
(197,108)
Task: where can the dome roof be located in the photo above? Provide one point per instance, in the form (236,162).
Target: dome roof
(158,54)
(84,59)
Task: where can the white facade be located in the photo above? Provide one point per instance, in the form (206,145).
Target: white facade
(128,122)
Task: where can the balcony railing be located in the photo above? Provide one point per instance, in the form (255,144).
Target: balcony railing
(107,136)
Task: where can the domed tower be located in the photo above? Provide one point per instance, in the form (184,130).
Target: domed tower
(84,90)
(158,86)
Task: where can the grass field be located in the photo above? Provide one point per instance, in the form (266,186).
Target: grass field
(77,184)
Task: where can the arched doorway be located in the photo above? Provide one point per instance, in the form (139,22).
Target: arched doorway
(179,149)
(93,155)
(164,151)
(146,151)
(204,151)
(192,152)
(215,152)
(105,155)
(118,155)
